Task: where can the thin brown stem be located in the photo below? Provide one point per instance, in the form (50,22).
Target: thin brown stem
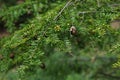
(63,9)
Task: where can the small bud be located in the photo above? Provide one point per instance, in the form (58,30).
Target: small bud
(57,28)
(12,56)
(42,66)
(73,30)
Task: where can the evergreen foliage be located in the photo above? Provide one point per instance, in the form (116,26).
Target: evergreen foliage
(41,47)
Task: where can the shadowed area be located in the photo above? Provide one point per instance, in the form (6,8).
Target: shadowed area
(3,32)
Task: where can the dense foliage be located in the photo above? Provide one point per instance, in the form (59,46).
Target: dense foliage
(40,45)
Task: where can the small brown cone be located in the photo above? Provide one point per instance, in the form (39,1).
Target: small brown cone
(73,30)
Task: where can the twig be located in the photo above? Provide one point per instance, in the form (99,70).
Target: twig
(113,5)
(62,9)
(110,75)
(85,12)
